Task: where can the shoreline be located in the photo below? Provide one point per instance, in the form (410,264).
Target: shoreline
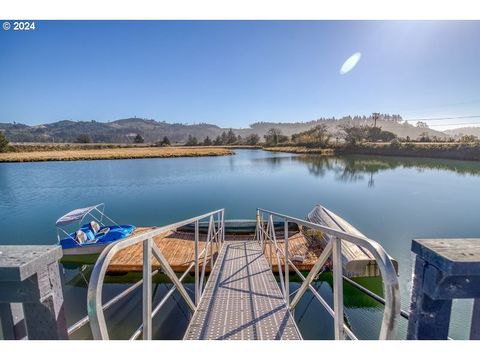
(78,152)
(301,150)
(120,153)
(448,151)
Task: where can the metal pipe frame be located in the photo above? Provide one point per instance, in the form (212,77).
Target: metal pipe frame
(137,332)
(205,256)
(211,241)
(327,307)
(85,320)
(286,257)
(387,270)
(171,274)
(95,288)
(197,279)
(322,301)
(307,284)
(279,265)
(147,289)
(338,289)
(82,322)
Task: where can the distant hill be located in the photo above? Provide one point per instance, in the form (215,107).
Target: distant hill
(457,133)
(394,124)
(124,130)
(119,131)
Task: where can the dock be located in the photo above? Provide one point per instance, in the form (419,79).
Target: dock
(178,249)
(242,300)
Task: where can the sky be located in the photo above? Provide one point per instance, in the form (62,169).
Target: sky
(234,73)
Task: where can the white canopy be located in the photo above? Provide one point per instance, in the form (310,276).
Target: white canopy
(78,214)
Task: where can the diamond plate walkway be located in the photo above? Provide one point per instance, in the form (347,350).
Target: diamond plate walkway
(242,299)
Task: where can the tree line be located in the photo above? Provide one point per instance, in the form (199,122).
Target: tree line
(318,136)
(225,138)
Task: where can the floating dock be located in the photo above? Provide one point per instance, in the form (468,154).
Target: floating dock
(241,298)
(178,249)
(304,247)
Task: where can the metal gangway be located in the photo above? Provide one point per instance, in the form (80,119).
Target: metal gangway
(241,299)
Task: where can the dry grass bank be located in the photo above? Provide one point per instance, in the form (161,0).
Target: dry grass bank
(26,147)
(110,154)
(300,150)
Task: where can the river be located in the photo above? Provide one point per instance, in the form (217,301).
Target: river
(392,200)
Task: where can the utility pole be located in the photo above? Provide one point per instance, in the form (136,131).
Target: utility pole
(375,117)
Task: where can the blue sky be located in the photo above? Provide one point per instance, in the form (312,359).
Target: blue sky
(235,73)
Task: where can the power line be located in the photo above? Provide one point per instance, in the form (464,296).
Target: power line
(446,118)
(473,101)
(475,123)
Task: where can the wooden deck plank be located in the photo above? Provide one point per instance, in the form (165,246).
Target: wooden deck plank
(178,249)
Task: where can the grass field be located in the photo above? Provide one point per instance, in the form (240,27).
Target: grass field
(113,153)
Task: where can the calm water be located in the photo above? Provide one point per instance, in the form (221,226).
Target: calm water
(392,200)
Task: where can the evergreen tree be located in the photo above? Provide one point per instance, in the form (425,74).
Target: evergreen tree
(166,141)
(231,138)
(224,138)
(192,141)
(139,139)
(3,142)
(274,136)
(252,139)
(83,139)
(217,141)
(207,141)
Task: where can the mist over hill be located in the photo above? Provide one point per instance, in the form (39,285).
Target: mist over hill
(393,123)
(125,130)
(459,132)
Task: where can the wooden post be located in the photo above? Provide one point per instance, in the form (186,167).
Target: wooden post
(31,298)
(444,269)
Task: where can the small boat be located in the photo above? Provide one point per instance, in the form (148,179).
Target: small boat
(94,231)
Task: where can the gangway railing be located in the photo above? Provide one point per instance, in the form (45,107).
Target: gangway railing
(265,235)
(95,307)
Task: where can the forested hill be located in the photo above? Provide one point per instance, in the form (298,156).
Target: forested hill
(125,130)
(393,123)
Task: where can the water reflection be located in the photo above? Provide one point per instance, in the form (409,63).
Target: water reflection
(124,317)
(357,168)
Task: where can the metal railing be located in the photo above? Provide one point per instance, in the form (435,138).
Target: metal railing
(95,308)
(265,234)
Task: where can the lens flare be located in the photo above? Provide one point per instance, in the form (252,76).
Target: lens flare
(351,62)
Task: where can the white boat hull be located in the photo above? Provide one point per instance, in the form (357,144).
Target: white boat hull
(93,249)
